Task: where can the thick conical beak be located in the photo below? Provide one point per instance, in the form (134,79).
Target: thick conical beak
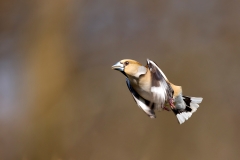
(118,66)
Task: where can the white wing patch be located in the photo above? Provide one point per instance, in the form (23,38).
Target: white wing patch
(159,94)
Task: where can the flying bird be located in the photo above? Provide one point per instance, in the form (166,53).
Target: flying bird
(152,90)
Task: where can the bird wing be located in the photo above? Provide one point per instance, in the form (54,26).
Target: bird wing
(161,88)
(144,104)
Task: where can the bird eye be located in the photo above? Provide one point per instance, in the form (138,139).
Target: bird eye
(126,63)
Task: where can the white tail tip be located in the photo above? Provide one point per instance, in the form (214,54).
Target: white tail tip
(182,117)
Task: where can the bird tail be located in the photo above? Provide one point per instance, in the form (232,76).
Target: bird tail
(191,107)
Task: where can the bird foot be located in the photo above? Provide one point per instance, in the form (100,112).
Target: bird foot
(171,104)
(165,108)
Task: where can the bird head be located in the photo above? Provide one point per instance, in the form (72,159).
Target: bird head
(130,67)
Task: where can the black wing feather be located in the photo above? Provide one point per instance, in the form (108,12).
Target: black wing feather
(160,80)
(144,104)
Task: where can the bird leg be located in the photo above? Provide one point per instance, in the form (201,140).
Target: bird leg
(166,108)
(171,104)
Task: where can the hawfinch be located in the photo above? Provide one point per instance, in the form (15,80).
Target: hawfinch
(152,90)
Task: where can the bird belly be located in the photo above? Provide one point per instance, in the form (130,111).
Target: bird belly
(145,94)
(148,95)
(144,91)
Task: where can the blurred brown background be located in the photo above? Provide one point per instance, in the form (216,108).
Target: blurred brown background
(60,100)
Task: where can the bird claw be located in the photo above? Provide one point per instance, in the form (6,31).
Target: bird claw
(165,108)
(171,104)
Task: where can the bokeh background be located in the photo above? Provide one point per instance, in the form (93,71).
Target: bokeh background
(60,100)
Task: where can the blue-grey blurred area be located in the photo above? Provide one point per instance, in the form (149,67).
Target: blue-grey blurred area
(60,99)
